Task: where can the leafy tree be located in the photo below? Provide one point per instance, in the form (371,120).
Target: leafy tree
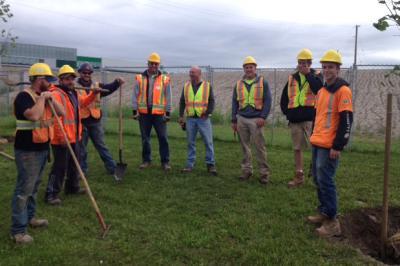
(393,8)
(6,35)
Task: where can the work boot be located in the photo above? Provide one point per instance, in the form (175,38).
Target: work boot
(53,201)
(264,179)
(23,239)
(144,165)
(298,180)
(166,167)
(245,176)
(212,169)
(317,219)
(81,191)
(329,228)
(37,223)
(187,170)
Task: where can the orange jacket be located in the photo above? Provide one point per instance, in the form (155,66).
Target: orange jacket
(69,121)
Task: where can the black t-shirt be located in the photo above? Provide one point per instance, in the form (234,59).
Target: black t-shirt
(23,138)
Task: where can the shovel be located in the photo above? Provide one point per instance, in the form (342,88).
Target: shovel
(121,166)
(105,228)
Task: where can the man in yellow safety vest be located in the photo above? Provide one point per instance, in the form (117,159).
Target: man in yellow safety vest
(197,102)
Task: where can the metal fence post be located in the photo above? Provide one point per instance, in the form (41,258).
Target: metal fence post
(273,109)
(104,107)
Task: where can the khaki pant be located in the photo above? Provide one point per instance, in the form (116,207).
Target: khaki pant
(301,133)
(251,134)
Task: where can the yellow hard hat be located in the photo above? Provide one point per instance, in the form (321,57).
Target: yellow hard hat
(66,69)
(40,69)
(249,60)
(332,56)
(154,57)
(305,54)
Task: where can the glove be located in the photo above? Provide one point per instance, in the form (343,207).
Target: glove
(135,114)
(167,117)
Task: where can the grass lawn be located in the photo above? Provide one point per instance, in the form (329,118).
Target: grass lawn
(172,218)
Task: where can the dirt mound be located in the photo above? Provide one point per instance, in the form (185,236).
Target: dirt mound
(362,229)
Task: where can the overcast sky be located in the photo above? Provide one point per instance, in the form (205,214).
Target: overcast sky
(205,32)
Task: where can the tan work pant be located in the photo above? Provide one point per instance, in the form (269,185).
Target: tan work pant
(251,134)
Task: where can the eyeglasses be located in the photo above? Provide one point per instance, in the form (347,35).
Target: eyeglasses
(86,73)
(153,63)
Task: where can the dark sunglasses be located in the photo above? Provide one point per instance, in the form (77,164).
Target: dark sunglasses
(86,73)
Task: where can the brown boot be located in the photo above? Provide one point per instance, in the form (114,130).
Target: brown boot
(144,165)
(298,180)
(23,239)
(329,228)
(187,170)
(212,169)
(37,223)
(317,219)
(264,180)
(245,176)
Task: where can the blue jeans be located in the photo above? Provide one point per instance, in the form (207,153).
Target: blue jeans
(194,125)
(30,165)
(147,122)
(324,170)
(95,132)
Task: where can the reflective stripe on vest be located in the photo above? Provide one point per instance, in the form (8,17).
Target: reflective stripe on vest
(330,109)
(196,104)
(253,98)
(42,130)
(299,97)
(159,101)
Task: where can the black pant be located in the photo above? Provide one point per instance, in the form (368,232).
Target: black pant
(147,122)
(63,164)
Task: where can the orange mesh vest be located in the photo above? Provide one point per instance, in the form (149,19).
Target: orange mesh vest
(159,90)
(42,130)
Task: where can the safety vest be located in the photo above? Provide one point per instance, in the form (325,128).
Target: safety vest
(42,130)
(254,97)
(299,97)
(69,121)
(196,104)
(159,94)
(93,109)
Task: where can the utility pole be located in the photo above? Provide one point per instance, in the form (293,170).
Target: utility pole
(355,47)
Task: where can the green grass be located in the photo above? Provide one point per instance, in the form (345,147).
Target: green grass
(179,219)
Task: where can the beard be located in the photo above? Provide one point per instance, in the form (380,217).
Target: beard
(44,87)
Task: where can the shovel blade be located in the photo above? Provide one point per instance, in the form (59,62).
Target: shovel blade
(120,171)
(105,231)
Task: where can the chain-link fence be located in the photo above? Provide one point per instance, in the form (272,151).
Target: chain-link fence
(370,84)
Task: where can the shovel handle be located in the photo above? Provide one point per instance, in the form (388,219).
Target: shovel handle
(120,121)
(86,184)
(90,89)
(7,156)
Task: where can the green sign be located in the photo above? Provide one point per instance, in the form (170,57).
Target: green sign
(94,61)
